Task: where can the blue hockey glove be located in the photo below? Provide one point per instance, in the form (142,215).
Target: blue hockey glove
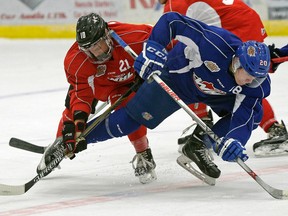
(230,150)
(151,60)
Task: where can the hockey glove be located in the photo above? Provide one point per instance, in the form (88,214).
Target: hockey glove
(230,149)
(70,132)
(151,60)
(274,53)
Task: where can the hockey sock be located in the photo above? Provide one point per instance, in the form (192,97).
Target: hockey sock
(140,144)
(117,124)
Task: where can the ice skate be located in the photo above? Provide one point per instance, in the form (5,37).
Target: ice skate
(55,149)
(187,132)
(276,144)
(144,166)
(196,151)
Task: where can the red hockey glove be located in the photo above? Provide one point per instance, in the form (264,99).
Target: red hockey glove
(70,132)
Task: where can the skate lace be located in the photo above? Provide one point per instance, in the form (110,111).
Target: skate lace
(54,150)
(204,154)
(140,160)
(277,130)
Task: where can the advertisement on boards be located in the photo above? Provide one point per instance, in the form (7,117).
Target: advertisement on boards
(277,9)
(57,18)
(16,12)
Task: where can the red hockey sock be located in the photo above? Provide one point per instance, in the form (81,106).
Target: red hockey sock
(140,144)
(268,118)
(138,139)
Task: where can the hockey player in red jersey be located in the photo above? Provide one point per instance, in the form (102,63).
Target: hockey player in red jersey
(98,69)
(240,19)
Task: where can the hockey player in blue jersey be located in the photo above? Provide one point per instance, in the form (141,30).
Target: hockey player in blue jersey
(209,65)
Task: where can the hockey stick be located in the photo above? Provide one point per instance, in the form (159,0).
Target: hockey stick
(98,110)
(280,59)
(27,146)
(276,193)
(21,189)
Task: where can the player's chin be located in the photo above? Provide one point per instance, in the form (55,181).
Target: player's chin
(241,83)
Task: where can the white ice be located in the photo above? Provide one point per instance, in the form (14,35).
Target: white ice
(100,181)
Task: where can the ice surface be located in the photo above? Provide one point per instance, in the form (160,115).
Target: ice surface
(100,181)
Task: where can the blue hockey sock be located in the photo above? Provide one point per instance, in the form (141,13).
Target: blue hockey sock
(117,124)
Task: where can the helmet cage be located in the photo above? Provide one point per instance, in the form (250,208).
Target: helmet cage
(97,47)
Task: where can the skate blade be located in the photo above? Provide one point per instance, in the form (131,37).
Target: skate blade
(148,177)
(271,150)
(186,163)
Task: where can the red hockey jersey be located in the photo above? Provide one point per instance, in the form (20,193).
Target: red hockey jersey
(96,81)
(233,15)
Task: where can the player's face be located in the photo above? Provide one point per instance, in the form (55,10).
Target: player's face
(101,50)
(242,77)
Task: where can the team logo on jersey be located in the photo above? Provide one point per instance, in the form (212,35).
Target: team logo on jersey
(251,51)
(212,66)
(207,87)
(122,77)
(101,70)
(147,116)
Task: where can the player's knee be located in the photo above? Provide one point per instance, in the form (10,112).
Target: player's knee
(120,124)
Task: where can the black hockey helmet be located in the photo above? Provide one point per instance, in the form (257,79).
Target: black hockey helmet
(93,38)
(89,29)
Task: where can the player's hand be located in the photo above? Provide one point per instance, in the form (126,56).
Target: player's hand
(151,60)
(70,134)
(274,53)
(231,149)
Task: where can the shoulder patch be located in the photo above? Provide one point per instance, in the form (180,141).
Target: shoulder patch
(212,66)
(101,70)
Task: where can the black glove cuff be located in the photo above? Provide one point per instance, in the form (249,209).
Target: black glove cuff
(68,131)
(274,52)
(80,126)
(80,115)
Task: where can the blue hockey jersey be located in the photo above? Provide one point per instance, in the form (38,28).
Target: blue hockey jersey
(199,70)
